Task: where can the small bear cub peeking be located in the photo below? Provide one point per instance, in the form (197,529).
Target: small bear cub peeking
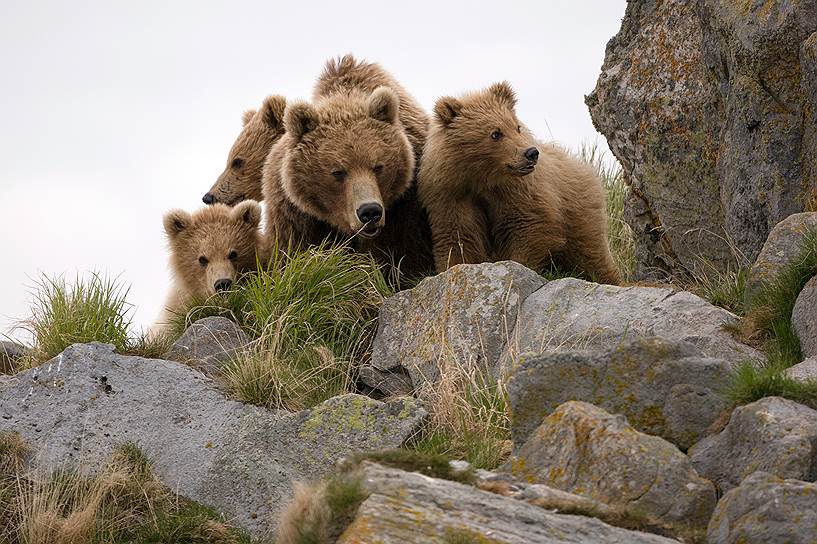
(209,250)
(493,193)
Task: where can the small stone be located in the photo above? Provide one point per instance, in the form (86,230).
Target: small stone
(804,318)
(208,343)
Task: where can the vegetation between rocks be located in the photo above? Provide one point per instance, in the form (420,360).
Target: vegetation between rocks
(121,503)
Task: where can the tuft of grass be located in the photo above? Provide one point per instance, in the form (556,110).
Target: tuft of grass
(123,503)
(619,233)
(468,414)
(750,383)
(321,512)
(93,309)
(768,317)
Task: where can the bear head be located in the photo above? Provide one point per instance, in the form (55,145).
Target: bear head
(210,248)
(480,134)
(241,178)
(347,159)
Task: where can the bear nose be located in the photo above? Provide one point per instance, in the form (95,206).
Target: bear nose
(208,199)
(532,154)
(370,213)
(223,284)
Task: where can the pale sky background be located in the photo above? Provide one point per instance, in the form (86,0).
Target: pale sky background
(114,112)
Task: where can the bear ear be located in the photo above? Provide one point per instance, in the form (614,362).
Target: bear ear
(248,211)
(446,109)
(300,118)
(272,111)
(247,116)
(176,221)
(384,105)
(504,92)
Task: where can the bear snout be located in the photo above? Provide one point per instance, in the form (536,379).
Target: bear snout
(223,284)
(532,155)
(208,198)
(370,212)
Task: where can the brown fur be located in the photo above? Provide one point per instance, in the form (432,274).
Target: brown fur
(214,233)
(241,178)
(484,207)
(364,124)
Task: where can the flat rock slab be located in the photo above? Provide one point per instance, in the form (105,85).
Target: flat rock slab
(208,344)
(408,507)
(774,434)
(765,509)
(782,247)
(663,387)
(570,314)
(466,312)
(237,458)
(804,318)
(582,449)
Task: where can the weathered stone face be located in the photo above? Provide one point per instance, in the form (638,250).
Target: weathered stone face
(707,105)
(804,318)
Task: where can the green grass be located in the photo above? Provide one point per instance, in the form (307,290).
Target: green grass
(93,309)
(751,383)
(122,503)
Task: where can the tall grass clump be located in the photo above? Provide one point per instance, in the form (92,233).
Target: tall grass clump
(93,309)
(121,503)
(314,314)
(721,286)
(619,234)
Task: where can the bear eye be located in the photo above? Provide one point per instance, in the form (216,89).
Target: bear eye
(237,163)
(203,260)
(339,175)
(496,135)
(378,169)
(233,255)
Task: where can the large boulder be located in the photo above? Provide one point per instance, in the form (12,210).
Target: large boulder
(774,434)
(804,318)
(708,105)
(237,458)
(766,509)
(663,387)
(407,507)
(582,449)
(466,313)
(785,243)
(570,314)
(208,344)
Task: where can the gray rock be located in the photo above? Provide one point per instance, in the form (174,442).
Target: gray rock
(571,314)
(766,509)
(10,354)
(582,449)
(468,311)
(807,370)
(208,343)
(663,387)
(707,107)
(407,507)
(237,458)
(783,246)
(804,318)
(774,435)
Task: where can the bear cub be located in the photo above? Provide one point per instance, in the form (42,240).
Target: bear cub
(492,192)
(209,250)
(241,178)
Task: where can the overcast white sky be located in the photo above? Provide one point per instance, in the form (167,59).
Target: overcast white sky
(114,112)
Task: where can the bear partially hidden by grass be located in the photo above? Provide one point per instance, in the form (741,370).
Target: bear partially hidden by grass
(494,193)
(241,178)
(345,169)
(208,251)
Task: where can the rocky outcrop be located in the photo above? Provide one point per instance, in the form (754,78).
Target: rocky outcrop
(466,313)
(407,507)
(582,449)
(237,458)
(785,244)
(766,509)
(708,105)
(663,387)
(774,435)
(804,318)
